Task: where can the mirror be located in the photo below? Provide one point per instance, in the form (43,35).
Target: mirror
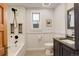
(70,18)
(70,23)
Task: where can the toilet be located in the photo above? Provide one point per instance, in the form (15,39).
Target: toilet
(48,49)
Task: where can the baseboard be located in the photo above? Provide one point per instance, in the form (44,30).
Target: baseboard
(35,49)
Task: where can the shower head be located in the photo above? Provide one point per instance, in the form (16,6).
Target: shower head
(13,9)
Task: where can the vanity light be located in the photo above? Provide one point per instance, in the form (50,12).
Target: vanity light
(46,4)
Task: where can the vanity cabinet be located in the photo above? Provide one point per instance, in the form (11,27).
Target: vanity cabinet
(61,49)
(66,51)
(57,48)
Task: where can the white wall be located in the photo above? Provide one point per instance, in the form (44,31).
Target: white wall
(60,19)
(34,39)
(44,14)
(20,15)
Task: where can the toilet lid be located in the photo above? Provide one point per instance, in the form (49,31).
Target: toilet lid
(48,44)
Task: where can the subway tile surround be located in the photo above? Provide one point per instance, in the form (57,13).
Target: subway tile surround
(20,15)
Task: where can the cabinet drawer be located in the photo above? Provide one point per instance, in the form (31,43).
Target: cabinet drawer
(67,51)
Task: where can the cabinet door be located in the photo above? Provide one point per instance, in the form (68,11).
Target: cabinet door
(66,51)
(77,53)
(3,31)
(57,48)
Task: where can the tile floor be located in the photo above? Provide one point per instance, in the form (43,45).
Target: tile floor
(36,53)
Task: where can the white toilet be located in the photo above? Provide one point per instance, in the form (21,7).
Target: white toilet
(49,49)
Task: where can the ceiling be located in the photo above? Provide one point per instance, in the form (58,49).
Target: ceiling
(34,5)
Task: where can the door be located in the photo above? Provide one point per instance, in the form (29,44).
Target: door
(66,51)
(3,29)
(56,48)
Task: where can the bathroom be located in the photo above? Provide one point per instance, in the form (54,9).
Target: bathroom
(40,38)
(32,27)
(32,38)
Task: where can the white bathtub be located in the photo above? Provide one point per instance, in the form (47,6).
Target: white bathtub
(15,50)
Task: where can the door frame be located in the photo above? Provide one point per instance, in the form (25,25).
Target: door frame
(5,10)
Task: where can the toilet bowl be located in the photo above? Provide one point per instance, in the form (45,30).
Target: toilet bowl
(48,44)
(48,48)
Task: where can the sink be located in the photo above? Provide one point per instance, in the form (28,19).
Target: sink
(67,38)
(62,38)
(68,41)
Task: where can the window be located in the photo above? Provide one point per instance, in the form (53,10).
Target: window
(35,20)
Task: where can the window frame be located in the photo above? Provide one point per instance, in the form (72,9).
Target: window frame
(33,20)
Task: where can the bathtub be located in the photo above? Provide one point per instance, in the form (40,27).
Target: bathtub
(15,50)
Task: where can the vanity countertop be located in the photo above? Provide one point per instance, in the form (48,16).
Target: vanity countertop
(67,42)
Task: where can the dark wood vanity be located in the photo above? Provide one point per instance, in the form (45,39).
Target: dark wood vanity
(68,46)
(62,48)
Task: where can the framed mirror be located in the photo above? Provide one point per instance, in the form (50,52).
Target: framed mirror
(70,18)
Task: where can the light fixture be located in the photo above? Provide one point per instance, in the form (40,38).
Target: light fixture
(46,4)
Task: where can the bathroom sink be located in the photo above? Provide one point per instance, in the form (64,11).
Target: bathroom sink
(67,38)
(68,41)
(62,38)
